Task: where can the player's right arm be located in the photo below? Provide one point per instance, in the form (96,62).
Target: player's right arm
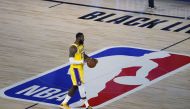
(72,52)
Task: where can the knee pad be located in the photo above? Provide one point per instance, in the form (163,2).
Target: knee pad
(82,91)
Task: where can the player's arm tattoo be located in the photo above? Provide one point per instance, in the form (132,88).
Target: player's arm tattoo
(72,51)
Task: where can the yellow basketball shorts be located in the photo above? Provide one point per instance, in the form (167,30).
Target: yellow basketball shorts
(77,76)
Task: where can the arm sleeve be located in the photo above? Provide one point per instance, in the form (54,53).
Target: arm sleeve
(73,61)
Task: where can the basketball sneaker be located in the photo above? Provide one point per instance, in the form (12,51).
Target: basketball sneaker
(64,106)
(89,107)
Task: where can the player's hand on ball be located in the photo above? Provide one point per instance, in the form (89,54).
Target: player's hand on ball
(91,62)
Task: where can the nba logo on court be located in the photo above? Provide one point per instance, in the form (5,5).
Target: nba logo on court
(120,71)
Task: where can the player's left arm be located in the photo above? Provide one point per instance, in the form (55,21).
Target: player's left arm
(86,58)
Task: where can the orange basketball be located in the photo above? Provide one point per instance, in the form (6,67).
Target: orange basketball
(91,63)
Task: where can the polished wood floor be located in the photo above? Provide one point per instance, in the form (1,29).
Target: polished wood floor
(35,38)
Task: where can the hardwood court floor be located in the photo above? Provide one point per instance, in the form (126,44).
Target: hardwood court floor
(35,38)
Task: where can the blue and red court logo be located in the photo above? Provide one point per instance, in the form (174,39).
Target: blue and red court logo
(121,71)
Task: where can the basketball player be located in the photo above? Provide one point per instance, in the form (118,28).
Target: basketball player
(77,58)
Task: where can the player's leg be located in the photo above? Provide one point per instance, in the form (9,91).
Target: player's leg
(83,96)
(82,90)
(72,90)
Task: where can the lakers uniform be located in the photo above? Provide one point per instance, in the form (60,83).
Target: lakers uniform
(76,70)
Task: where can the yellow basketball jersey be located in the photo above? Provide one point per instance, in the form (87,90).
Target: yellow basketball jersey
(79,56)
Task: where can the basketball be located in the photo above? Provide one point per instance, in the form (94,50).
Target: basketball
(91,63)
